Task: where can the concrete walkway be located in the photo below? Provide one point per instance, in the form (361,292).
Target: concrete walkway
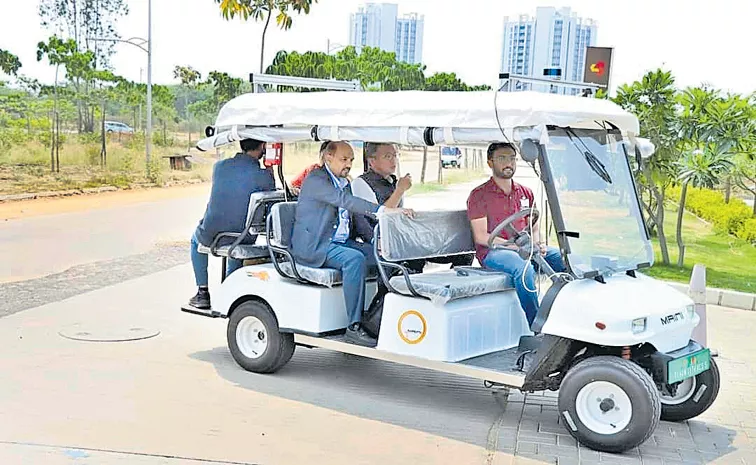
(179,397)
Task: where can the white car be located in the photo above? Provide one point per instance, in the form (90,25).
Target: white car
(115,126)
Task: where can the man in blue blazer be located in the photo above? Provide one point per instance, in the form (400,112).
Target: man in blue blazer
(234,181)
(324,231)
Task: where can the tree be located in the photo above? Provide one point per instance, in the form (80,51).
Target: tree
(9,63)
(84,20)
(449,82)
(653,101)
(263,10)
(700,168)
(189,77)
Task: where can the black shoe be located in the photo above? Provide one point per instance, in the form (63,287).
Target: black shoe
(356,335)
(201,300)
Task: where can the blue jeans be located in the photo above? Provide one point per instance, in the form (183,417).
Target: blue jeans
(353,259)
(200,260)
(508,261)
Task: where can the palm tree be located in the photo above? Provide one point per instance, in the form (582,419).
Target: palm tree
(700,168)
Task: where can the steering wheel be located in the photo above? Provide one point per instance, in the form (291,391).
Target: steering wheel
(512,232)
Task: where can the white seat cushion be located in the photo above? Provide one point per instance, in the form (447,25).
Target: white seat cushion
(442,286)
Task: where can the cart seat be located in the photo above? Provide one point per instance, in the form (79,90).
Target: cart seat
(240,252)
(432,234)
(443,286)
(243,243)
(280,224)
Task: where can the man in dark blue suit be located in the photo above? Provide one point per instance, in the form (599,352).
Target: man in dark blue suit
(234,181)
(324,231)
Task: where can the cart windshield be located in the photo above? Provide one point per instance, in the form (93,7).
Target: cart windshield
(596,194)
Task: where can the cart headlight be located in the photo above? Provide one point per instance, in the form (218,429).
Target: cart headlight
(690,311)
(639,325)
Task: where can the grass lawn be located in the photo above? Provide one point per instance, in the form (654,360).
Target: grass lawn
(730,262)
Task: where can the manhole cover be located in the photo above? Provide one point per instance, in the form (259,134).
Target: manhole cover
(108,334)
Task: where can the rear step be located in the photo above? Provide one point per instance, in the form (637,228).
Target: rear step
(210,313)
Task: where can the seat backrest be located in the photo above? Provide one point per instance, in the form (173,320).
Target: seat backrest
(430,234)
(282,222)
(258,208)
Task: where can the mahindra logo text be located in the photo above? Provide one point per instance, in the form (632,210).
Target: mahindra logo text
(672,318)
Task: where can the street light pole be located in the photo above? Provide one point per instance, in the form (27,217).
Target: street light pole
(149,83)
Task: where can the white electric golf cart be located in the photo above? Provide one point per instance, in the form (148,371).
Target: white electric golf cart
(615,343)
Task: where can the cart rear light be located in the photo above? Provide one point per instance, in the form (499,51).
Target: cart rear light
(600,325)
(639,325)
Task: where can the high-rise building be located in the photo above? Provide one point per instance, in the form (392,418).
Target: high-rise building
(553,39)
(379,25)
(409,38)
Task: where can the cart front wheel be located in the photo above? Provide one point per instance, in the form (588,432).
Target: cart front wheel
(609,404)
(255,341)
(692,397)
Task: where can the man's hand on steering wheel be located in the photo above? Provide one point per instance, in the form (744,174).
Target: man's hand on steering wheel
(512,233)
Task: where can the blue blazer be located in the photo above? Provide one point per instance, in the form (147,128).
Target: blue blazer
(316,217)
(234,180)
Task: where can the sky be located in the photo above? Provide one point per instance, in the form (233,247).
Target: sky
(700,41)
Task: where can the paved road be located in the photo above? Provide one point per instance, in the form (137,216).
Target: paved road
(178,397)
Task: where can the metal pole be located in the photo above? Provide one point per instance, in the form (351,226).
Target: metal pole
(149,83)
(697,291)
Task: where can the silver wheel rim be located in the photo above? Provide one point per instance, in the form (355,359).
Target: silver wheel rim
(251,337)
(603,407)
(685,391)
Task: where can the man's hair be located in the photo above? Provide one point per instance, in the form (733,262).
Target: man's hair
(498,146)
(371,148)
(250,144)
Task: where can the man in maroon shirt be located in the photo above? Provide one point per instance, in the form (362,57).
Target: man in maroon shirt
(491,203)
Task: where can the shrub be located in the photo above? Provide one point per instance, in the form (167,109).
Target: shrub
(728,218)
(747,231)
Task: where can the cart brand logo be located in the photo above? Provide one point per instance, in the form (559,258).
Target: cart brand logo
(672,318)
(412,327)
(598,68)
(262,275)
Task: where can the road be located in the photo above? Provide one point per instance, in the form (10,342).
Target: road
(175,396)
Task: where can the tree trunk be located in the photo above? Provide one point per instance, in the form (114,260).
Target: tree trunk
(57,144)
(262,43)
(54,119)
(728,189)
(680,211)
(754,201)
(425,163)
(103,148)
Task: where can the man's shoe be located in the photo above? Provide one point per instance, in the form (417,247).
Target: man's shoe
(357,335)
(201,300)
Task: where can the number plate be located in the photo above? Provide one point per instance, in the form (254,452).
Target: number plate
(688,366)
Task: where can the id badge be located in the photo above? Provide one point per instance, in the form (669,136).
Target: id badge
(524,203)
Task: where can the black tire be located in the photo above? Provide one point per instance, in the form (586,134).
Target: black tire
(699,400)
(622,376)
(279,348)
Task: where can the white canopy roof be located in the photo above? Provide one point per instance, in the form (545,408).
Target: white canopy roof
(412,109)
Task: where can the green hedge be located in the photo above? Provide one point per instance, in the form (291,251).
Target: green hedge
(730,218)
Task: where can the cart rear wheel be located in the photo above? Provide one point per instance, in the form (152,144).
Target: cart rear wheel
(609,404)
(255,341)
(693,397)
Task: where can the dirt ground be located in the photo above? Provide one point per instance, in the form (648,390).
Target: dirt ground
(55,205)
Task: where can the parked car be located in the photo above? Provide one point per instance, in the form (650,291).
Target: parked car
(115,126)
(451,156)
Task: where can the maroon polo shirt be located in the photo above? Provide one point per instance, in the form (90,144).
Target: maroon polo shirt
(490,202)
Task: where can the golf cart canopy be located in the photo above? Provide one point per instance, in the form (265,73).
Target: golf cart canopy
(409,117)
